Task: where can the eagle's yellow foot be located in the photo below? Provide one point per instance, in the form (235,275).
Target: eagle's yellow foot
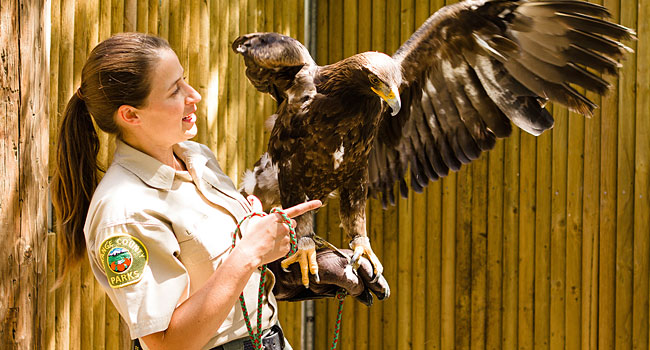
(306,257)
(361,247)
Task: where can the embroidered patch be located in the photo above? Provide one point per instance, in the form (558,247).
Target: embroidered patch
(124,258)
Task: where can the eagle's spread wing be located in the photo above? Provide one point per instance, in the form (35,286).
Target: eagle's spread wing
(273,61)
(474,67)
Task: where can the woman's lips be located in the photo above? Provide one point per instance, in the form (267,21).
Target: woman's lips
(190,118)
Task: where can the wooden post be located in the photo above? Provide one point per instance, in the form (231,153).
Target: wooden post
(640,322)
(10,179)
(23,174)
(542,239)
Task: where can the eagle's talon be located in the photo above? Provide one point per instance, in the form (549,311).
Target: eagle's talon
(355,260)
(306,257)
(361,247)
(376,278)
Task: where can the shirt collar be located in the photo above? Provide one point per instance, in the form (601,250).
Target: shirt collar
(153,172)
(190,153)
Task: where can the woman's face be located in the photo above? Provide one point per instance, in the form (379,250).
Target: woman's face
(168,114)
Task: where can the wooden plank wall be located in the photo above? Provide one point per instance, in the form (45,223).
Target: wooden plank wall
(231,116)
(541,243)
(23,172)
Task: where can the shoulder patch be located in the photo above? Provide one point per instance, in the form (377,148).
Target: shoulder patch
(124,258)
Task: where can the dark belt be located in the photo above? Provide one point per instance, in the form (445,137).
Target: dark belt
(273,340)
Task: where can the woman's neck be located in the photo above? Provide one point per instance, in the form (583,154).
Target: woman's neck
(164,154)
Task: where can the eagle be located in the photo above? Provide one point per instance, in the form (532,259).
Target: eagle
(363,124)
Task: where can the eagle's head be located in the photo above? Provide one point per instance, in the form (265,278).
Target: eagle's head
(384,76)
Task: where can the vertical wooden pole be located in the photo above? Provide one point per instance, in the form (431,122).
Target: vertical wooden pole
(163,15)
(210,121)
(242,142)
(232,106)
(130,15)
(54,80)
(590,230)
(641,322)
(142,20)
(511,241)
(10,180)
(153,17)
(478,253)
(558,227)
(448,257)
(574,231)
(222,58)
(607,241)
(203,61)
(495,264)
(117,16)
(23,155)
(625,189)
(527,232)
(53,128)
(542,242)
(63,301)
(434,266)
(463,259)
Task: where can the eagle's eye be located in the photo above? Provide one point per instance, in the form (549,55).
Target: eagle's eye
(373,79)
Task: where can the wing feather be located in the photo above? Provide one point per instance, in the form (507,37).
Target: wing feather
(474,67)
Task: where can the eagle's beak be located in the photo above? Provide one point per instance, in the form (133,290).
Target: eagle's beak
(391,97)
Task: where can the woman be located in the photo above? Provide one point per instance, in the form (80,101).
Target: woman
(157,228)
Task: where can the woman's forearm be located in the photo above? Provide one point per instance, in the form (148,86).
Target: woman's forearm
(197,319)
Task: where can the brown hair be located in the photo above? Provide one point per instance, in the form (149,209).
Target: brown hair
(116,73)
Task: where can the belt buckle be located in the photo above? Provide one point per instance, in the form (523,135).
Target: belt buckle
(274,340)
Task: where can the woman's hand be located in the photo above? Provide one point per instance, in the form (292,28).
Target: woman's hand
(266,238)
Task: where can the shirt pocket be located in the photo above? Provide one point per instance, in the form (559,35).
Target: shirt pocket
(205,238)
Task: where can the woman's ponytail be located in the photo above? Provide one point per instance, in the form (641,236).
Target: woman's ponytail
(74,181)
(116,73)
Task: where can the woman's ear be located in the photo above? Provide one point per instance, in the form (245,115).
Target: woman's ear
(127,114)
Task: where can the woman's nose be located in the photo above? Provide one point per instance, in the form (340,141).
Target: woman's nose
(193,96)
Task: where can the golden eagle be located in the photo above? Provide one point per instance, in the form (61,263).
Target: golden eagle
(471,69)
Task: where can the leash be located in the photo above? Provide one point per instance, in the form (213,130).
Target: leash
(256,337)
(340,295)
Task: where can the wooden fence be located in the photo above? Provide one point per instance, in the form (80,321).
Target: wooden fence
(543,242)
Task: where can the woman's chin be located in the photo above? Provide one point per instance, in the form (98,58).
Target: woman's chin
(191,132)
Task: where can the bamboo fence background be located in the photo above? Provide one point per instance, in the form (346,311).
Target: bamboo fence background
(541,243)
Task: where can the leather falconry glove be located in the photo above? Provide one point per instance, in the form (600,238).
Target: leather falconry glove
(335,273)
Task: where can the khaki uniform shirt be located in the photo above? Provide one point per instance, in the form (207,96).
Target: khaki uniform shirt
(155,235)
